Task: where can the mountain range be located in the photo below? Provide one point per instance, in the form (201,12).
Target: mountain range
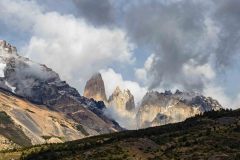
(155,108)
(69,115)
(37,107)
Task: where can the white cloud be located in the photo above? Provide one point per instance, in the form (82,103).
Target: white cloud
(124,118)
(76,49)
(19,14)
(141,73)
(69,45)
(113,79)
(192,70)
(236,103)
(218,93)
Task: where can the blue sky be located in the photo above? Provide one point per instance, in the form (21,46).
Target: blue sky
(143,45)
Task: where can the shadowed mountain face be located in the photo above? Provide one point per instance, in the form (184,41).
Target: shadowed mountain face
(41,85)
(213,135)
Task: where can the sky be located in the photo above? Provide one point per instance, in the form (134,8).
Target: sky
(191,45)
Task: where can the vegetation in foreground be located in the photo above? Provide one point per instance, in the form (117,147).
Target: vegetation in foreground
(213,135)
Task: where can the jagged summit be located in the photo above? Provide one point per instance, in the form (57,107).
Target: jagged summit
(7,48)
(117,90)
(95,88)
(20,75)
(167,107)
(122,100)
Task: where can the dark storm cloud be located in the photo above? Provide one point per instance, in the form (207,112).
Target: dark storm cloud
(227,16)
(180,33)
(192,33)
(187,32)
(98,12)
(172,32)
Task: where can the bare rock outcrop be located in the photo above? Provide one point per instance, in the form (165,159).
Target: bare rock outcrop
(122,100)
(163,108)
(95,88)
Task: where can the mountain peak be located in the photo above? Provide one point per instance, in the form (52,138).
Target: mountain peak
(6,47)
(167,107)
(117,90)
(95,88)
(122,100)
(97,75)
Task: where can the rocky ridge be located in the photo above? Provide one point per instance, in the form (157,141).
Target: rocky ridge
(122,100)
(95,88)
(163,108)
(156,108)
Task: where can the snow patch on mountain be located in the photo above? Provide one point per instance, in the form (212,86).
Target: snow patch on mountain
(2,67)
(10,86)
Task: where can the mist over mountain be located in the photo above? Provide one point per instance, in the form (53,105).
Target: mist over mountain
(155,108)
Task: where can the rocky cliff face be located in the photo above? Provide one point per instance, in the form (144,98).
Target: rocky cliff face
(155,109)
(95,88)
(120,106)
(162,108)
(122,100)
(41,85)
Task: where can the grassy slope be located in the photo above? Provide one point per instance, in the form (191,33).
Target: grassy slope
(210,136)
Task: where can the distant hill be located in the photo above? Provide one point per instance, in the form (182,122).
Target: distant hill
(213,135)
